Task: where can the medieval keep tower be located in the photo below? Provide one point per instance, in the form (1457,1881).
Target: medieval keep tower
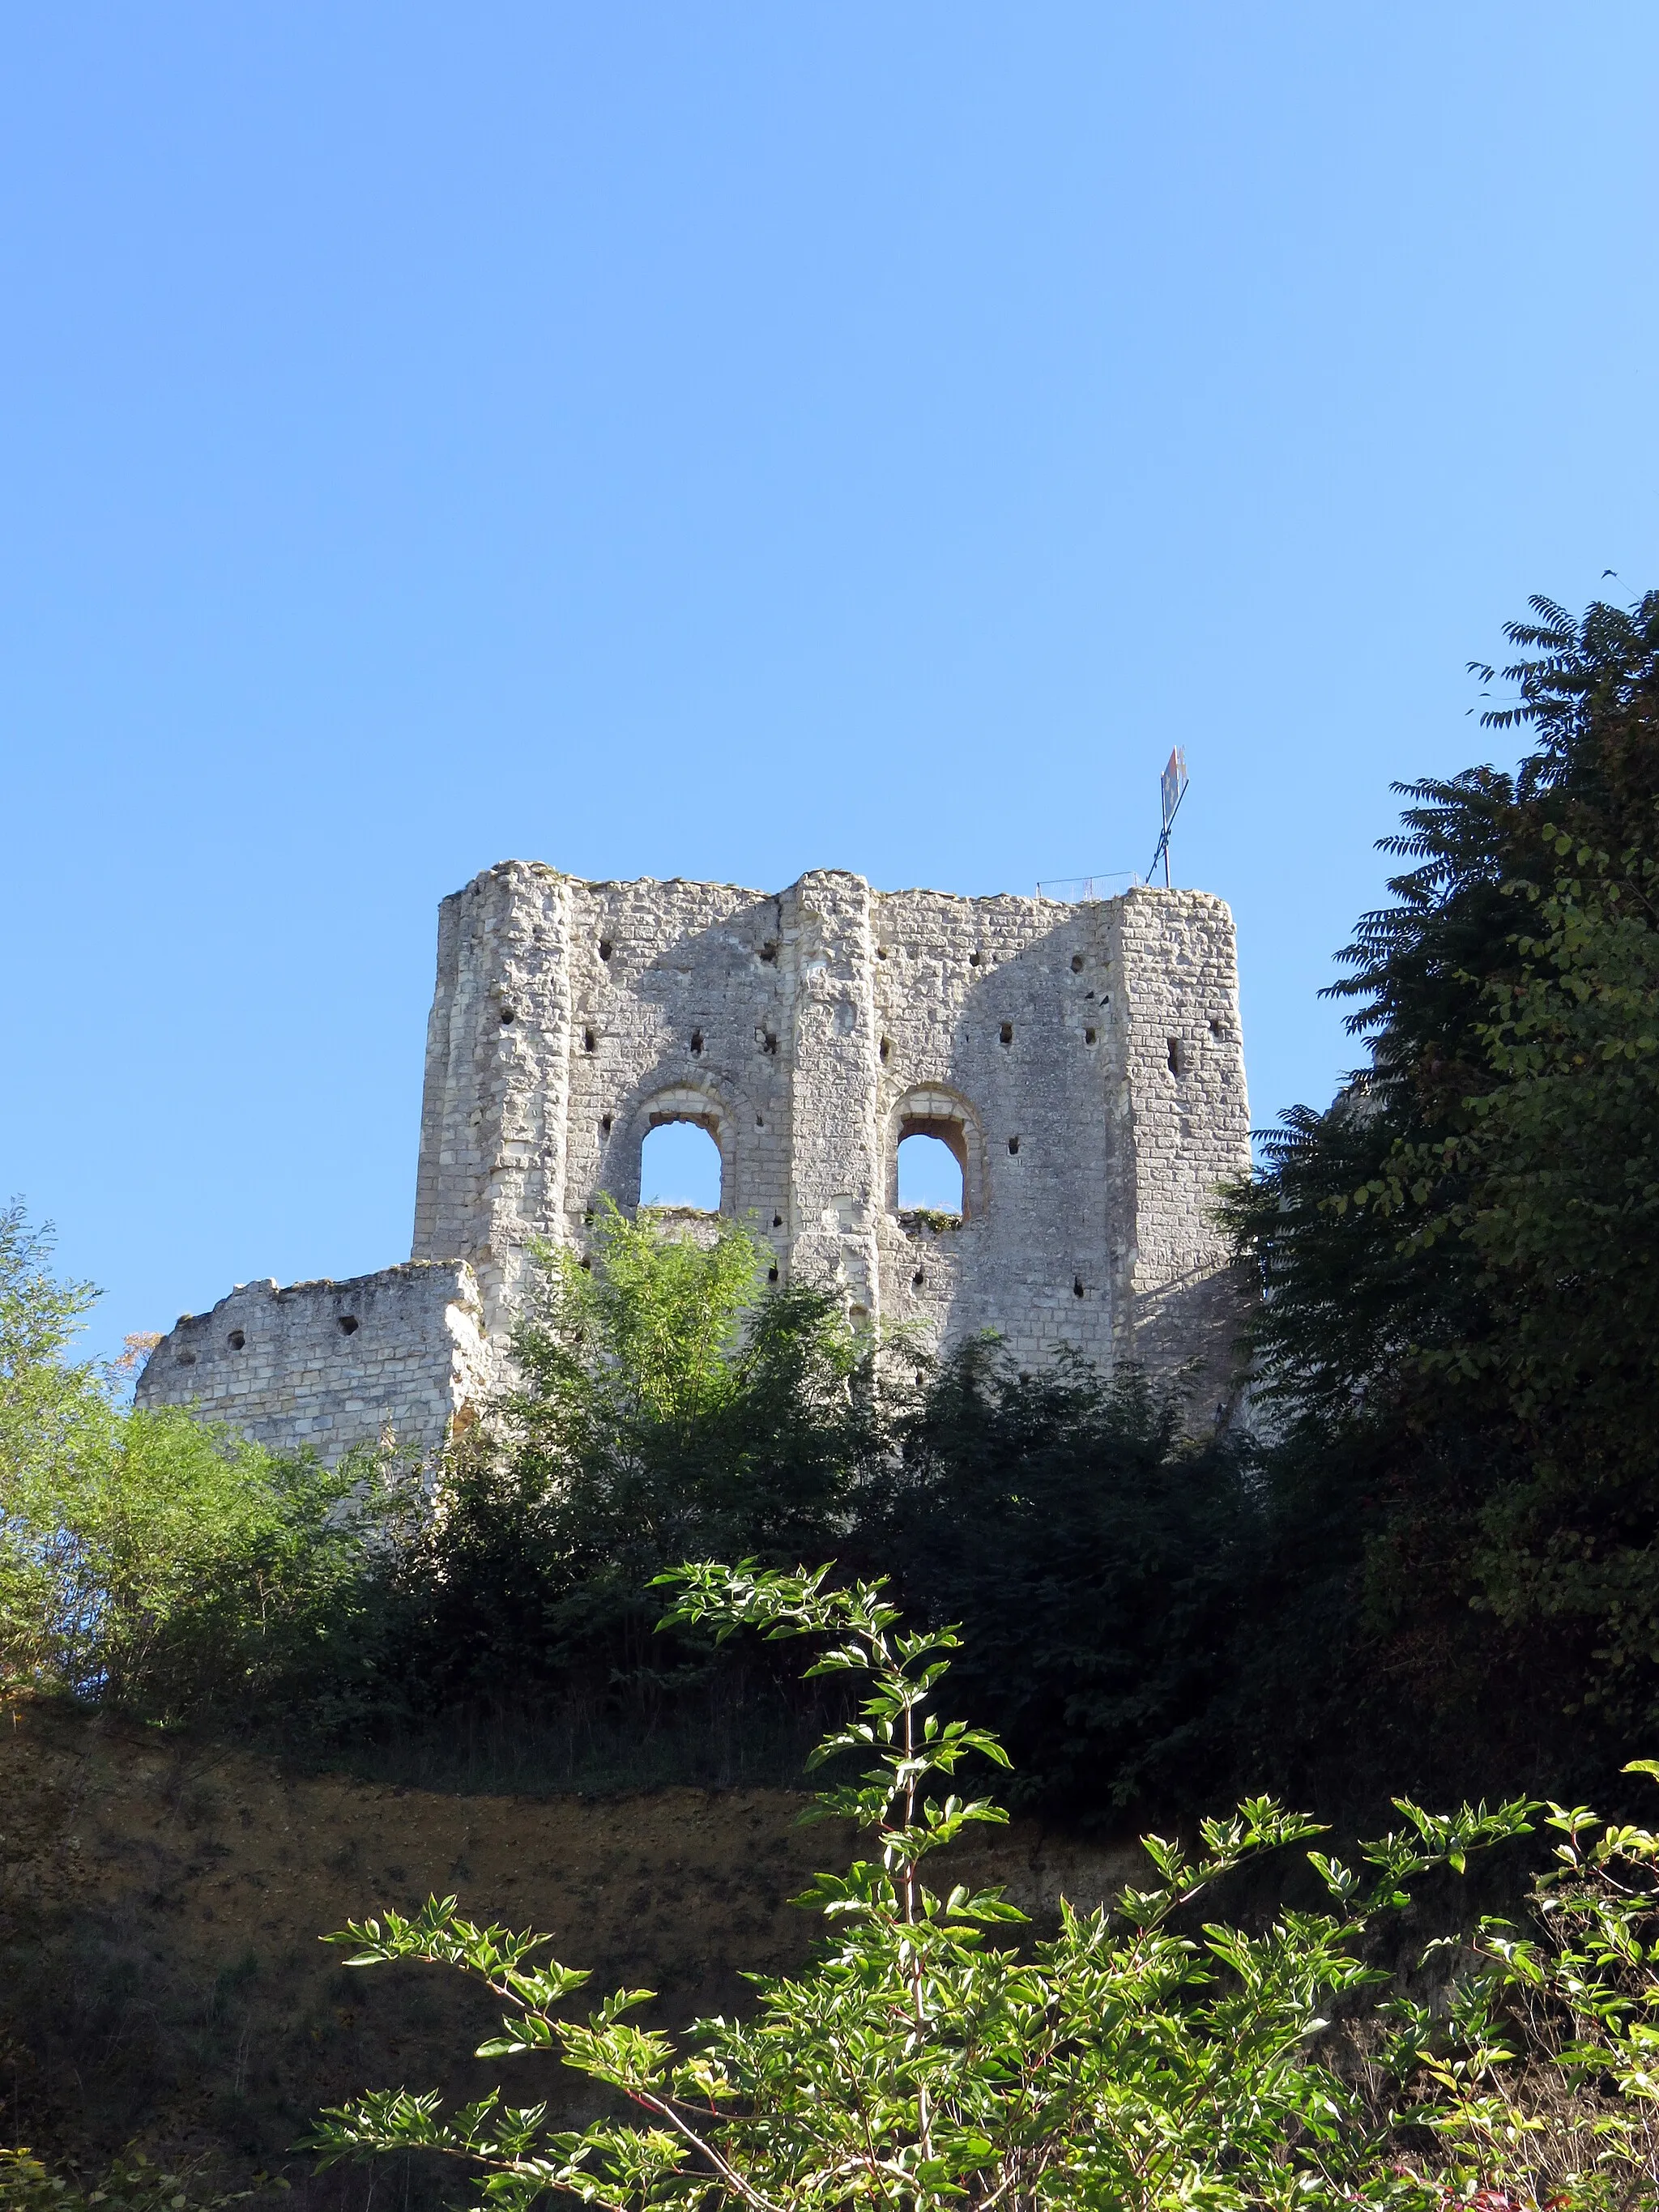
(1083,1062)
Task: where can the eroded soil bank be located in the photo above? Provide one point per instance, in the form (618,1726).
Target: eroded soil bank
(161,1982)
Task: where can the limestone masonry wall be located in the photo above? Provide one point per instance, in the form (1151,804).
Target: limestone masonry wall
(332,1364)
(1084,1063)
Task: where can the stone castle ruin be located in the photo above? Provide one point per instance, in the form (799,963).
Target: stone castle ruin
(1083,1063)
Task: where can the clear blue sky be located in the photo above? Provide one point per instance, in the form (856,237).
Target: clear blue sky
(720,440)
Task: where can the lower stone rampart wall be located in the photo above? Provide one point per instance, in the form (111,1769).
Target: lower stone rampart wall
(400,1354)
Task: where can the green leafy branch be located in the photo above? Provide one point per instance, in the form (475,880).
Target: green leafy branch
(1124,2062)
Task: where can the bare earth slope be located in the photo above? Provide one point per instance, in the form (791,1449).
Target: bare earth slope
(161,1981)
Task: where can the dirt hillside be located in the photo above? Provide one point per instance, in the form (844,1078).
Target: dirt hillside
(160,1977)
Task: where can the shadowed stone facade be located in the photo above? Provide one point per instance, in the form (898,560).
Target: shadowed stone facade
(1084,1063)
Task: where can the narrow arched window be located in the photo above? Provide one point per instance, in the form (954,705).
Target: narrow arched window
(680,1166)
(929,1175)
(937,1164)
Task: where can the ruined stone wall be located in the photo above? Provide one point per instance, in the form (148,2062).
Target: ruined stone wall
(997,1018)
(569,1018)
(332,1364)
(1084,1063)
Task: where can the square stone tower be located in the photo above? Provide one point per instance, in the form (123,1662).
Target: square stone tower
(1083,1062)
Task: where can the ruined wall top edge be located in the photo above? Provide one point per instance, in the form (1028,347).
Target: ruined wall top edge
(377,1278)
(1003,900)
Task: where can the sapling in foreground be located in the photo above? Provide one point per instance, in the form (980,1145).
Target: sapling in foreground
(933,2056)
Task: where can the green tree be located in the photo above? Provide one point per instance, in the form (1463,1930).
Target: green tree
(1518,946)
(1557,1197)
(665,1387)
(54,1418)
(1458,1326)
(147,1558)
(668,1401)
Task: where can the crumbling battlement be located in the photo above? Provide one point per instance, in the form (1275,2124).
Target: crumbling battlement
(1083,1062)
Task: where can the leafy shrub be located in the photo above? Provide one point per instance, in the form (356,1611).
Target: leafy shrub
(132,2183)
(666,1403)
(1133,2061)
(1101,1560)
(671,1404)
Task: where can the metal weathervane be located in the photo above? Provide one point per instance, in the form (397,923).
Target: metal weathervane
(1172,789)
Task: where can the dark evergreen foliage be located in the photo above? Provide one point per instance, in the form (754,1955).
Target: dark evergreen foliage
(1099,1561)
(1460,1329)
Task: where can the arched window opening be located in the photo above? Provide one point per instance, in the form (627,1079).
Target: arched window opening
(929,1175)
(680,1166)
(937,1164)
